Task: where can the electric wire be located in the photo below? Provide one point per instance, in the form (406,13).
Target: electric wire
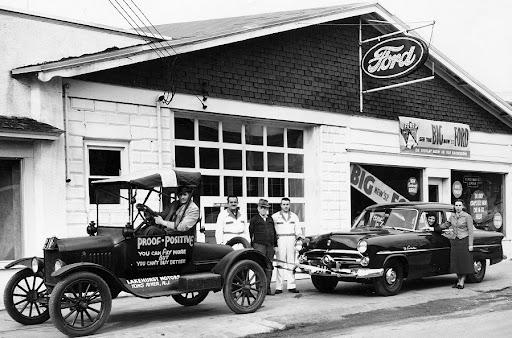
(167,97)
(141,33)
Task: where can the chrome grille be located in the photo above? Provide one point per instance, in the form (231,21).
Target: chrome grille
(341,257)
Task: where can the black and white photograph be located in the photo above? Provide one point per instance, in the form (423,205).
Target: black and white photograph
(255,168)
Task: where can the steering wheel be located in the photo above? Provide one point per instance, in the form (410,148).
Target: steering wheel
(147,215)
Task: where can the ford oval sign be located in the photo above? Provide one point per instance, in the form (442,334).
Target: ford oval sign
(394,58)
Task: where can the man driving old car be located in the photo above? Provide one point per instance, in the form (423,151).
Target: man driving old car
(181,214)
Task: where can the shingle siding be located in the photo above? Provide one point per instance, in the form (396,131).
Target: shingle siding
(313,68)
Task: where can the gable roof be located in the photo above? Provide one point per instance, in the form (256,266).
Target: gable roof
(198,35)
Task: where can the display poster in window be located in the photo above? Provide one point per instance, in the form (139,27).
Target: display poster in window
(478,205)
(438,138)
(372,187)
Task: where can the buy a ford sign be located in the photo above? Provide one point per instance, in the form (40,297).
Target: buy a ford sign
(394,57)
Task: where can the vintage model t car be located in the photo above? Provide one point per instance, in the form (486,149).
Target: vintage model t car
(389,243)
(76,280)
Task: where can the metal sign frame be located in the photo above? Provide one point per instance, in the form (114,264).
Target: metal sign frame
(363,91)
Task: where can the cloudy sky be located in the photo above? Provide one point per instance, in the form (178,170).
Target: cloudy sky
(475,34)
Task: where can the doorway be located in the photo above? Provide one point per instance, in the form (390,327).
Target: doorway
(435,189)
(10,209)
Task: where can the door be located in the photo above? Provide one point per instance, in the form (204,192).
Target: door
(10,209)
(435,186)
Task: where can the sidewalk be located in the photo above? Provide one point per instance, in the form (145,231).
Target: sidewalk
(162,316)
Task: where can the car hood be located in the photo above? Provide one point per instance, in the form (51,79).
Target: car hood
(343,240)
(85,243)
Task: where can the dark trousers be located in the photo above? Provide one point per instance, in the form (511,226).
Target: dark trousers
(267,251)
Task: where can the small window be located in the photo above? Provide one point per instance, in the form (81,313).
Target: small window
(298,208)
(296,187)
(276,162)
(232,132)
(184,157)
(232,159)
(104,163)
(210,214)
(275,137)
(295,163)
(210,185)
(295,138)
(254,134)
(276,187)
(209,158)
(252,210)
(232,186)
(254,160)
(208,131)
(255,186)
(183,128)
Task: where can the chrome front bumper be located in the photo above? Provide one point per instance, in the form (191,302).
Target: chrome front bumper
(361,273)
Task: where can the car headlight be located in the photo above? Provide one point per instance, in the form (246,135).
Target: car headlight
(35,264)
(362,246)
(58,264)
(365,261)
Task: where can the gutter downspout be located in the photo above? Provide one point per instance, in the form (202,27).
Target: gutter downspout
(66,129)
(159,130)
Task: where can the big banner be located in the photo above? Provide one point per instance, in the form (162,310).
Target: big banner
(438,138)
(372,187)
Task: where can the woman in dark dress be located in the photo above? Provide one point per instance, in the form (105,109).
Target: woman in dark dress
(461,240)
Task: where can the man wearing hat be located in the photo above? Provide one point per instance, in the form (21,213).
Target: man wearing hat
(263,235)
(181,214)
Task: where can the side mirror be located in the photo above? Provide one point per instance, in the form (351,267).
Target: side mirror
(92,229)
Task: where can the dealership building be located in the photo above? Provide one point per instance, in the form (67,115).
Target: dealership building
(264,106)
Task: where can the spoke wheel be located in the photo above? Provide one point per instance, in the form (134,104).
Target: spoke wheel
(22,298)
(479,274)
(190,298)
(391,282)
(245,287)
(324,283)
(80,304)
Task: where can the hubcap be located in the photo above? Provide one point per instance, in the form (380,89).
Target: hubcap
(390,276)
(478,266)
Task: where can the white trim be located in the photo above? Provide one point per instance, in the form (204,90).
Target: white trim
(28,136)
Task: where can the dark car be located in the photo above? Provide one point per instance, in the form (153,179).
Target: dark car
(76,280)
(389,243)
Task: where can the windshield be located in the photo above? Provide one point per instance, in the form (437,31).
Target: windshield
(401,218)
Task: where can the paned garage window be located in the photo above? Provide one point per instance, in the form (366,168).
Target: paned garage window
(249,159)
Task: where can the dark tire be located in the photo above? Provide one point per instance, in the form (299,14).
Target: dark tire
(391,282)
(190,298)
(238,243)
(324,283)
(245,286)
(80,304)
(479,274)
(22,298)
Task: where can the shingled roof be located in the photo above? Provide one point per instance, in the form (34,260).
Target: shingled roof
(24,127)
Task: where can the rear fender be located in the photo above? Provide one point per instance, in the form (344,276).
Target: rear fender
(109,278)
(27,262)
(231,258)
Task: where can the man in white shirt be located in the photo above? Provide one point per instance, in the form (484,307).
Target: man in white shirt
(288,231)
(231,223)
